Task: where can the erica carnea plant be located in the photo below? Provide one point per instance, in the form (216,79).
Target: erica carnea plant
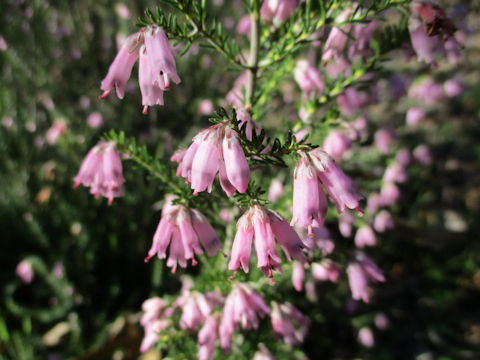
(334,50)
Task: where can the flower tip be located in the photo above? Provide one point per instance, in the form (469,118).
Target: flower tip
(195,193)
(145,110)
(360,211)
(233,276)
(110,201)
(147,259)
(104,95)
(194,262)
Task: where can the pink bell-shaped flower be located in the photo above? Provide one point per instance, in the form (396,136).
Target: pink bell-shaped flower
(277,11)
(365,237)
(309,79)
(337,39)
(263,226)
(121,68)
(289,323)
(243,306)
(215,150)
(309,200)
(152,94)
(360,272)
(182,228)
(101,171)
(24,271)
(339,186)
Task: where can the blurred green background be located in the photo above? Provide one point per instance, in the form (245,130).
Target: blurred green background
(56,54)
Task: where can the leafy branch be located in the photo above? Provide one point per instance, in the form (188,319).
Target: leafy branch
(197,26)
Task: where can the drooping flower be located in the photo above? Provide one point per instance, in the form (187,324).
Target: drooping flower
(395,172)
(360,272)
(263,226)
(365,237)
(155,318)
(156,66)
(309,79)
(336,143)
(432,31)
(58,129)
(383,221)
(345,222)
(215,150)
(337,39)
(289,323)
(182,228)
(319,240)
(298,275)
(277,11)
(101,171)
(121,68)
(207,337)
(389,194)
(161,57)
(152,93)
(309,200)
(326,270)
(339,186)
(243,306)
(24,271)
(360,46)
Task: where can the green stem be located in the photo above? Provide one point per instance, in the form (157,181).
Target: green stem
(253,56)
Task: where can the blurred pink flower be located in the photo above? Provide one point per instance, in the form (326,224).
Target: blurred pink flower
(25,271)
(365,237)
(423,155)
(415,116)
(101,171)
(205,107)
(365,337)
(243,306)
(336,144)
(95,120)
(289,323)
(360,272)
(275,190)
(58,129)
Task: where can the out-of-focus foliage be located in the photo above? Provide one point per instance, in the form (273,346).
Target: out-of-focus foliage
(58,52)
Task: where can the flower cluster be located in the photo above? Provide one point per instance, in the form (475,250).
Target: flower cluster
(217,317)
(262,226)
(313,169)
(214,150)
(181,228)
(101,171)
(155,69)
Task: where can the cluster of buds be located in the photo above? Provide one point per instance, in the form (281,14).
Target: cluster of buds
(182,228)
(101,171)
(214,150)
(156,66)
(263,226)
